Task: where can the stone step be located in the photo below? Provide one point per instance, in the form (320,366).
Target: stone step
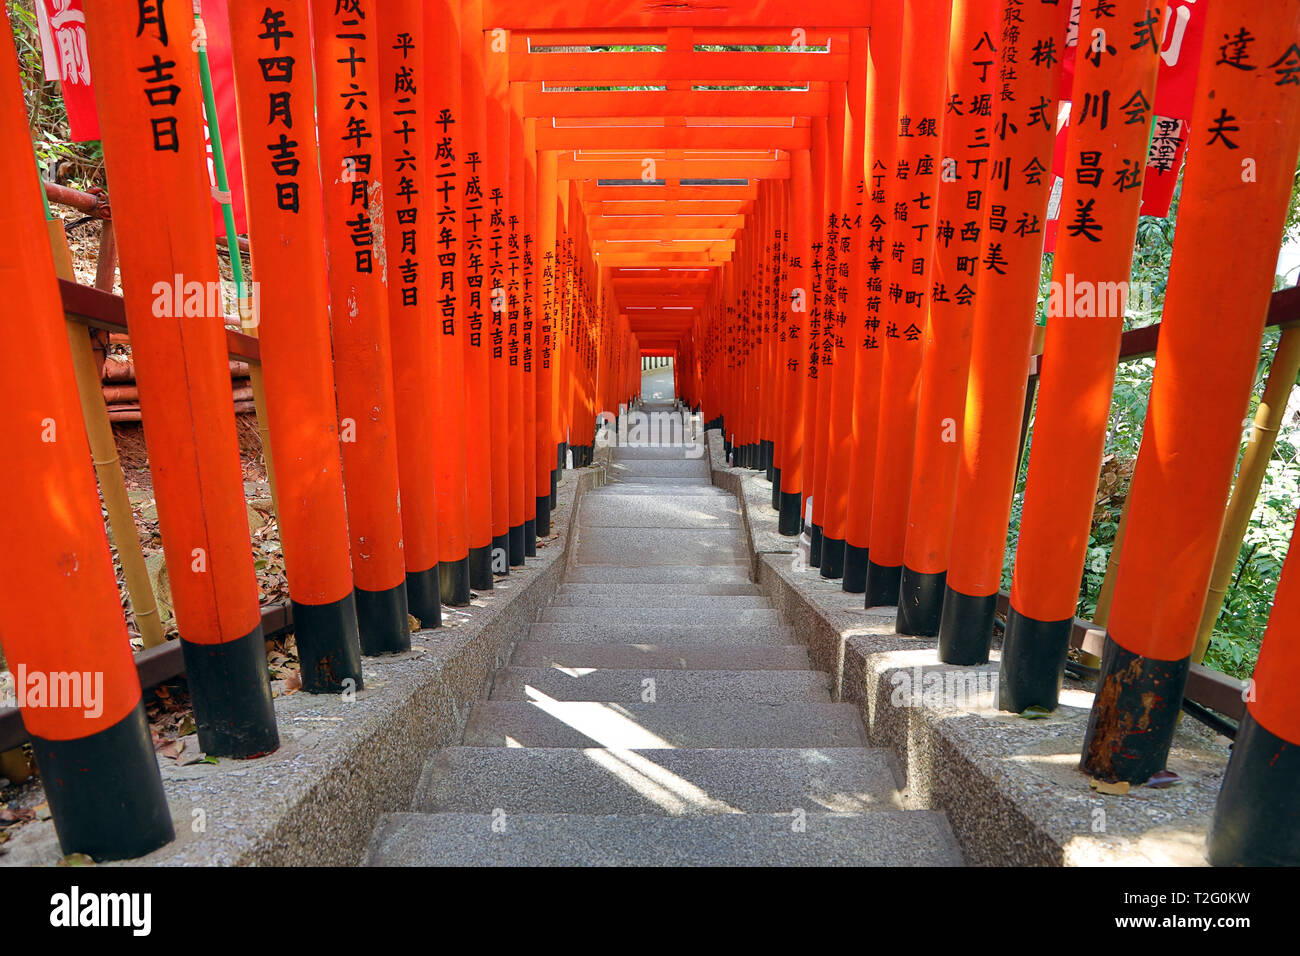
(666,589)
(683,635)
(791,657)
(659,511)
(661,686)
(620,598)
(624,490)
(624,478)
(668,575)
(876,838)
(658,547)
(722,619)
(676,451)
(678,468)
(508,723)
(672,782)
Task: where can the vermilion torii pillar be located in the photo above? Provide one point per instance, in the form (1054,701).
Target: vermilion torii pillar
(416,338)
(547,441)
(349,116)
(908,285)
(64,613)
(480,426)
(282,190)
(444,145)
(513,259)
(1014,204)
(1255,819)
(796,358)
(840,303)
(967,139)
(529,324)
(819,384)
(828,137)
(495,170)
(1245,135)
(884,73)
(149,103)
(1104,156)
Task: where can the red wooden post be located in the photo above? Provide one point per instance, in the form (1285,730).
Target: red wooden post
(908,293)
(1014,202)
(480,424)
(152,128)
(64,625)
(1082,348)
(404,64)
(445,143)
(883,79)
(352,165)
(495,59)
(1245,135)
(286,227)
(946,359)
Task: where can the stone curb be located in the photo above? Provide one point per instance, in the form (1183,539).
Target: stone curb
(1008,786)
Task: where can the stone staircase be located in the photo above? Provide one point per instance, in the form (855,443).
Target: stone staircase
(660,713)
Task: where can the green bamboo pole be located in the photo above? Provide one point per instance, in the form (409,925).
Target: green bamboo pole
(232,244)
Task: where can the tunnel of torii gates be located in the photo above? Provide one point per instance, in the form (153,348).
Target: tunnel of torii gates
(830,214)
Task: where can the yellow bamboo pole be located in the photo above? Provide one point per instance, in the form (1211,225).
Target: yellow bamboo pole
(259,398)
(1254,465)
(108,469)
(1112,572)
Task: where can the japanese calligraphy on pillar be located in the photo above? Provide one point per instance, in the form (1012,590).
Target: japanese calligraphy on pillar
(1105,158)
(816,338)
(474,247)
(968,116)
(830,286)
(526,309)
(446,175)
(497,267)
(1023,125)
(405,173)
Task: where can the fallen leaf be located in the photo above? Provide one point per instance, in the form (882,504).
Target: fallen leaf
(1117,789)
(76,859)
(1163,779)
(9,817)
(190,751)
(1035,712)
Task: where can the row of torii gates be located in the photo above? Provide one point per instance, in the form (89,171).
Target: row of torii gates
(830,214)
